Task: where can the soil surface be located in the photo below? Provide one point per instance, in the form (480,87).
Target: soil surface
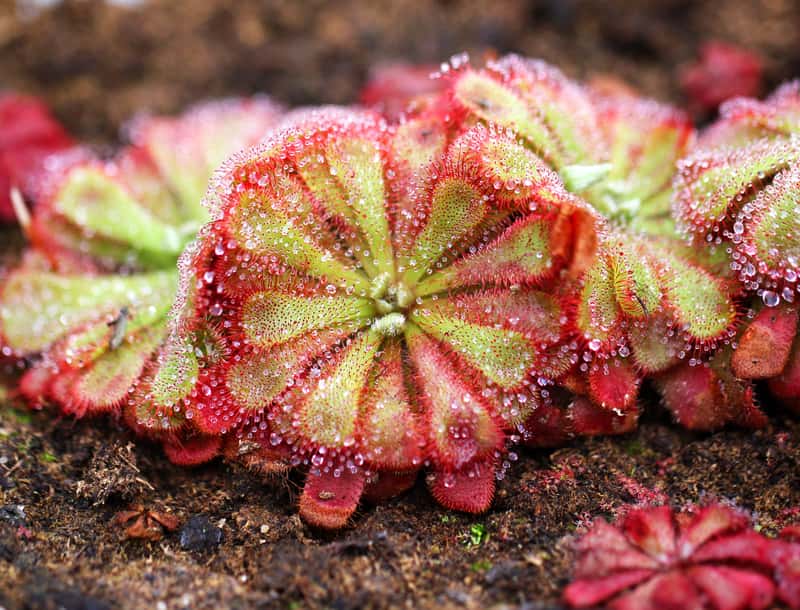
(240,544)
(231,539)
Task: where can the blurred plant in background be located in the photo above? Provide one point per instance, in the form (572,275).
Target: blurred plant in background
(89,303)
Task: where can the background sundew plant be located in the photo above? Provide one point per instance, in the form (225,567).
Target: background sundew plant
(646,303)
(739,189)
(493,332)
(89,303)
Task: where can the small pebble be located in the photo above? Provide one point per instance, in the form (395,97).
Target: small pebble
(200,534)
(13,514)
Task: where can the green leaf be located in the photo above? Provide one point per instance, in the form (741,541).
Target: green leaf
(107,381)
(578,178)
(520,255)
(280,221)
(700,302)
(495,103)
(255,381)
(270,318)
(330,411)
(39,308)
(456,208)
(451,403)
(101,206)
(503,355)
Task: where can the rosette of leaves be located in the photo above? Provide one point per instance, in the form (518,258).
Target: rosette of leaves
(740,188)
(645,302)
(88,306)
(708,558)
(366,302)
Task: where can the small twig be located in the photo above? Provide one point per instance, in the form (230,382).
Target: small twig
(13,468)
(20,209)
(144,482)
(126,459)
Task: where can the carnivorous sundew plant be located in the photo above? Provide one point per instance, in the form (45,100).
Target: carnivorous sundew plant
(709,558)
(379,295)
(90,301)
(740,187)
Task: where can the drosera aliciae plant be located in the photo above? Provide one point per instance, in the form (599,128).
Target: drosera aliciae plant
(707,558)
(88,305)
(739,189)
